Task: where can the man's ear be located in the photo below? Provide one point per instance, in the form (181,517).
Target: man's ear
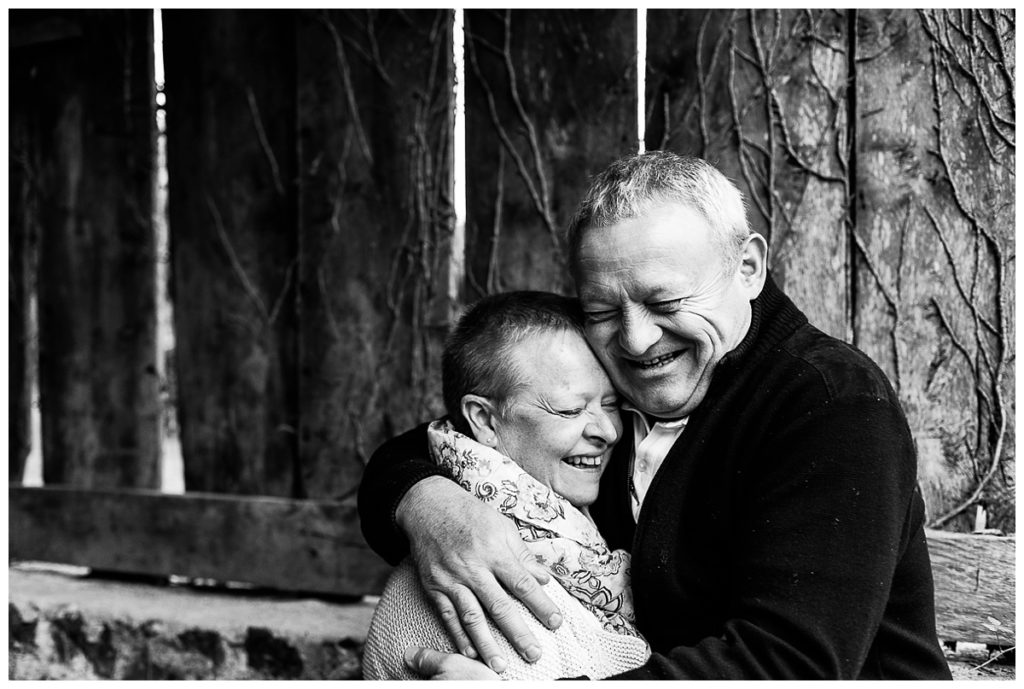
(481,415)
(753,268)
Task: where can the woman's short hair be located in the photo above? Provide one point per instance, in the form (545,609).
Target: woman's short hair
(634,185)
(477,356)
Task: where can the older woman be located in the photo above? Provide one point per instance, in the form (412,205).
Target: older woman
(532,418)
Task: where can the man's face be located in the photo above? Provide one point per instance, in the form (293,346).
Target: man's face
(662,307)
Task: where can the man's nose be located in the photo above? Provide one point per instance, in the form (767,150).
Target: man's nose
(602,427)
(637,332)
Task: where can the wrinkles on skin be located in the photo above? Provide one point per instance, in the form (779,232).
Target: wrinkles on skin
(469,558)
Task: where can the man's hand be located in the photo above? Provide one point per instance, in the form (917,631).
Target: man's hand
(467,556)
(431,664)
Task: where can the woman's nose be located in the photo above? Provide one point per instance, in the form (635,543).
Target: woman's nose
(602,428)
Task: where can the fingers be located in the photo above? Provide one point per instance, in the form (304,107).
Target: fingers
(425,662)
(473,621)
(539,571)
(524,586)
(431,664)
(450,618)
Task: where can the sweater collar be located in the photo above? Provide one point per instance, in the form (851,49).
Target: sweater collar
(773,318)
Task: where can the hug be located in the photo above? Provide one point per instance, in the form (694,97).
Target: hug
(757,476)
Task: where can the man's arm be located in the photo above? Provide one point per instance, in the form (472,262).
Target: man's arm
(468,557)
(393,469)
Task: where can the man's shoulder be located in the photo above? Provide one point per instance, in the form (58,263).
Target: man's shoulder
(843,370)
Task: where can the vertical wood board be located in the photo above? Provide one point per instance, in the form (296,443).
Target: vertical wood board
(232,215)
(23,221)
(934,240)
(92,98)
(550,101)
(376,223)
(761,94)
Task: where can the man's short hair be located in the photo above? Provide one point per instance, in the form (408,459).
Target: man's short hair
(477,356)
(636,184)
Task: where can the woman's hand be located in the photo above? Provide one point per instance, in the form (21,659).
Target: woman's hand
(469,558)
(431,664)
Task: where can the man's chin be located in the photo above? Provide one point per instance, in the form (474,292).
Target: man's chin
(666,407)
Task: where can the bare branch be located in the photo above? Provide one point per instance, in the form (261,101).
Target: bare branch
(236,265)
(264,143)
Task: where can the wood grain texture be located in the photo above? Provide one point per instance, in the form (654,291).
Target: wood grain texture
(375,117)
(23,215)
(934,243)
(550,101)
(762,95)
(974,581)
(90,99)
(232,213)
(291,545)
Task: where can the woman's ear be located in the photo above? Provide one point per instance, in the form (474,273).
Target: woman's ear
(481,415)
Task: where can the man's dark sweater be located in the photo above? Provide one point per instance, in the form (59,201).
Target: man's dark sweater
(782,536)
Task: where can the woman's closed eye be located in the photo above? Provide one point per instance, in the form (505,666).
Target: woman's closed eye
(569,412)
(599,315)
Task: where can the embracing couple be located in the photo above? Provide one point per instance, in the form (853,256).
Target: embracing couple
(675,476)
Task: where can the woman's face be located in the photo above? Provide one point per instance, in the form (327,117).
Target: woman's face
(562,423)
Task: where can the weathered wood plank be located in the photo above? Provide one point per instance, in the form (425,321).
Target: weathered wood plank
(762,94)
(550,101)
(292,545)
(376,223)
(934,243)
(93,106)
(230,86)
(974,580)
(23,234)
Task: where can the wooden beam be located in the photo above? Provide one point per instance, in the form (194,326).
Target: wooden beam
(317,547)
(292,545)
(974,580)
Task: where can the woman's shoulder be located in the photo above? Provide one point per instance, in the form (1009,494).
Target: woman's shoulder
(579,647)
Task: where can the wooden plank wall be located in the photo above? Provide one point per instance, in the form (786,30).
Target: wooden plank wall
(85,138)
(316,266)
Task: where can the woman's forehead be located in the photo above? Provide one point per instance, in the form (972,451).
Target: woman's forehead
(558,362)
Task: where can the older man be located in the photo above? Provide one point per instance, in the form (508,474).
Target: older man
(768,489)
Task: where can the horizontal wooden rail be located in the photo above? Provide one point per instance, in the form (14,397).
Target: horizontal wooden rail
(293,545)
(974,581)
(317,547)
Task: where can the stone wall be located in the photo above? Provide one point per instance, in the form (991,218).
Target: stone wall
(65,626)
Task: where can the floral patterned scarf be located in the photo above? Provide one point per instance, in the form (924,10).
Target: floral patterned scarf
(561,537)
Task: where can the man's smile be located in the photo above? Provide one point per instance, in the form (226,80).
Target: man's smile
(655,362)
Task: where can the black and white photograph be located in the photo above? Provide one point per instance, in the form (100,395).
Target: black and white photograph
(494,342)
